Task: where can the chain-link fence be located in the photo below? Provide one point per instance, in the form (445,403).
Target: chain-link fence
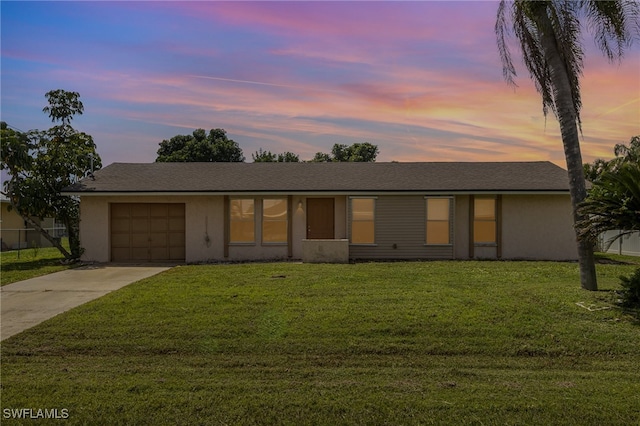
(17,239)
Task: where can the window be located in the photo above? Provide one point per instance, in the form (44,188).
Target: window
(484,221)
(242,229)
(274,221)
(438,221)
(362,224)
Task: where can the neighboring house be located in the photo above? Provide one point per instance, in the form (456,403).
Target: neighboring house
(199,212)
(15,233)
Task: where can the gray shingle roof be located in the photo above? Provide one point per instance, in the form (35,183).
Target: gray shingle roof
(325,177)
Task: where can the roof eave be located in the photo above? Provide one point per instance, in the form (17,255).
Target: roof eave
(321,192)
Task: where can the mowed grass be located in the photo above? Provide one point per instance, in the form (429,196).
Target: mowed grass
(29,263)
(367,343)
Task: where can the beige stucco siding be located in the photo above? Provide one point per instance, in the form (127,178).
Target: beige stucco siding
(203,219)
(533,227)
(538,227)
(204,227)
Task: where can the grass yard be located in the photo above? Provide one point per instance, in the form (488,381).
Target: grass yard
(28,263)
(369,343)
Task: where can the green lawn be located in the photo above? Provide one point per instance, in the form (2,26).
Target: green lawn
(368,343)
(28,263)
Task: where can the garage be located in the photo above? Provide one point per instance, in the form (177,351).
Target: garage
(147,232)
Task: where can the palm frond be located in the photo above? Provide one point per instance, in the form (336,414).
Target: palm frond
(612,24)
(503,31)
(613,204)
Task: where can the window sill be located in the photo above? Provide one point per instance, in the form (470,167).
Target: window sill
(275,244)
(438,245)
(363,244)
(242,244)
(485,244)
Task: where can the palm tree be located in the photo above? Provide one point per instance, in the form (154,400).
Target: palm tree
(549,36)
(613,204)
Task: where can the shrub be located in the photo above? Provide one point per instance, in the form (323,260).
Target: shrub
(630,290)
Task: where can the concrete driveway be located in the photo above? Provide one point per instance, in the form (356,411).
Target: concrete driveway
(27,303)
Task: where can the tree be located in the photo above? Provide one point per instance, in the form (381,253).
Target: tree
(268,157)
(357,152)
(200,147)
(549,35)
(613,202)
(623,154)
(42,163)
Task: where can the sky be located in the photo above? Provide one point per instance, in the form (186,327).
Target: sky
(421,80)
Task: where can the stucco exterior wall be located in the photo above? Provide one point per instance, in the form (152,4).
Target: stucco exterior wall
(203,219)
(11,221)
(204,227)
(533,227)
(538,227)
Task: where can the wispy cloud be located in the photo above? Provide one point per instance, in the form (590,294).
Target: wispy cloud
(420,79)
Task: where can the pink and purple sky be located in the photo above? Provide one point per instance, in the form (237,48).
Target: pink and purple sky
(422,80)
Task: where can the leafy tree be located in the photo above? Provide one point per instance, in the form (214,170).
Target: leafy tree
(613,202)
(357,152)
(549,36)
(42,163)
(322,157)
(623,154)
(200,147)
(268,157)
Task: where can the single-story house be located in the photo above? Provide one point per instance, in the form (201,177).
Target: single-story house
(200,212)
(15,233)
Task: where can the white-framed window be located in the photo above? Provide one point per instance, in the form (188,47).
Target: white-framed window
(242,220)
(275,223)
(484,220)
(438,220)
(363,220)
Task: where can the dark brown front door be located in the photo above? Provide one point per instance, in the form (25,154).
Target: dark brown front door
(320,218)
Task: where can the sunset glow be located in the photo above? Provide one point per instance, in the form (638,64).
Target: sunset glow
(422,80)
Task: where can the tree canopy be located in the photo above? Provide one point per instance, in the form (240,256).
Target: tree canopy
(200,147)
(261,156)
(42,163)
(613,202)
(357,152)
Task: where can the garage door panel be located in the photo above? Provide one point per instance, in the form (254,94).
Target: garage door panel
(140,224)
(141,254)
(158,224)
(120,254)
(176,224)
(159,253)
(158,210)
(145,232)
(120,210)
(139,240)
(140,210)
(176,210)
(158,240)
(119,224)
(121,240)
(176,253)
(176,239)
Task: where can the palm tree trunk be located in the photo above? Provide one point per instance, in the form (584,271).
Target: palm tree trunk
(567,117)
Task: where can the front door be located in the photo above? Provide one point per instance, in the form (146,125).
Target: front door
(320,218)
